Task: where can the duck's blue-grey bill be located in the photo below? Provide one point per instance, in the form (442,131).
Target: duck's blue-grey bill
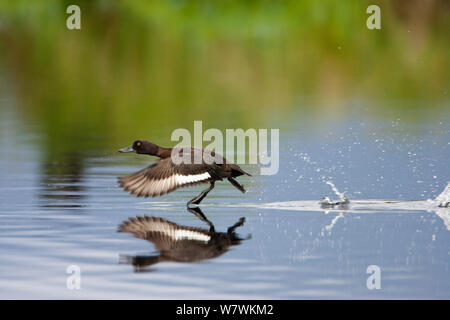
(127,149)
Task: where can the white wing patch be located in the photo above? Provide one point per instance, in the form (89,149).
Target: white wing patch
(181,180)
(177,234)
(166,229)
(142,185)
(191,235)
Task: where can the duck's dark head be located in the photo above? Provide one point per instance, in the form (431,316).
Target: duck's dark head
(141,147)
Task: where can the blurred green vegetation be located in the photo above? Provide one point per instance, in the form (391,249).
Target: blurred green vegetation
(143,68)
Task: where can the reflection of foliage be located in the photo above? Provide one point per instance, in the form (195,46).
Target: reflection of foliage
(138,67)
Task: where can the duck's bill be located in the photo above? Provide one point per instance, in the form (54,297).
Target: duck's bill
(127,149)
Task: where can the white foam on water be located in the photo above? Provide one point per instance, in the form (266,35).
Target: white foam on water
(353,206)
(443,200)
(363,206)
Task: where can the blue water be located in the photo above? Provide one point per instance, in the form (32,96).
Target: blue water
(55,214)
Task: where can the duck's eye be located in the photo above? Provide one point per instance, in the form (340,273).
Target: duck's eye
(138,144)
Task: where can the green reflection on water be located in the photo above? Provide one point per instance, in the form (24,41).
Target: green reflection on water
(143,68)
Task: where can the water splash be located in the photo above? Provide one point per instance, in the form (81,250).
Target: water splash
(327,202)
(341,214)
(341,195)
(444,198)
(440,206)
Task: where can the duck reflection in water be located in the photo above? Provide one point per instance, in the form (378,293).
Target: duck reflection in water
(178,243)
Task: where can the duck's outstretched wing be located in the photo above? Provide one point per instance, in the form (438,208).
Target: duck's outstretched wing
(163,233)
(176,242)
(164,176)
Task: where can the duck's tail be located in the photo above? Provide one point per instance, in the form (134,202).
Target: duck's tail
(238,171)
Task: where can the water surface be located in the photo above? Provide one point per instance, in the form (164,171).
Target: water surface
(65,210)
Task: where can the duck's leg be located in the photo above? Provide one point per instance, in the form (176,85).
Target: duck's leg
(236,225)
(199,214)
(203,194)
(237,185)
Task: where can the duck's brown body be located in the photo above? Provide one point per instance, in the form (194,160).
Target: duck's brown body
(178,167)
(177,242)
